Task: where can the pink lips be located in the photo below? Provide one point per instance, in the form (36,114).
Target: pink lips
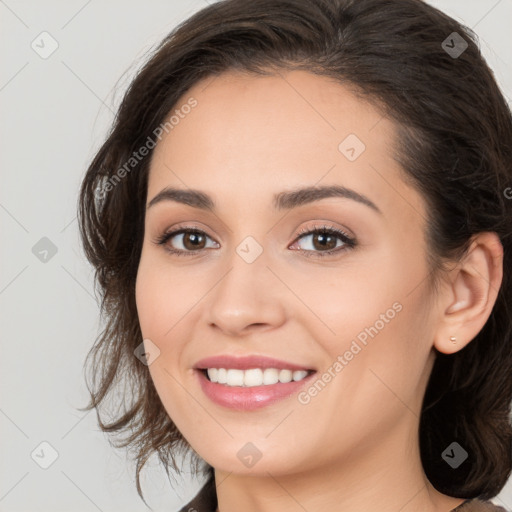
(246,363)
(243,398)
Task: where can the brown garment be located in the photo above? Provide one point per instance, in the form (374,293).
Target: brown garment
(476,505)
(206,501)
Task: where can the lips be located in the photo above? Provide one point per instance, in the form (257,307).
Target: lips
(239,398)
(247,363)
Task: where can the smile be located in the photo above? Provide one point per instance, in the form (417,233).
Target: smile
(234,394)
(254,376)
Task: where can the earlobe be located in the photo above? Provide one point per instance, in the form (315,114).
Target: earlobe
(470,294)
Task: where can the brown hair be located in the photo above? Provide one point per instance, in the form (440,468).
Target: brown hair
(454,144)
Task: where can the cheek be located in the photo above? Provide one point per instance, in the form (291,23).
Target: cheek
(376,313)
(149,300)
(159,313)
(345,299)
(163,297)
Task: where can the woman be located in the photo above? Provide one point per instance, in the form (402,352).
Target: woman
(301,226)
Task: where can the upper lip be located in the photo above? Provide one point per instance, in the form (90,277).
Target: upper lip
(246,363)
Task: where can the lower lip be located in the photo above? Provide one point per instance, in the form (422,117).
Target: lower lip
(248,398)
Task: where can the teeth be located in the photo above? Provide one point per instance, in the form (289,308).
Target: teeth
(254,376)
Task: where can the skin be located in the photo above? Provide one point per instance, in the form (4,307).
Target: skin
(354,446)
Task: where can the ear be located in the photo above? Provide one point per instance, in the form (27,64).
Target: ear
(469,293)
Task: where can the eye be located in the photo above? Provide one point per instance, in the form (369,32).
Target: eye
(185,240)
(324,241)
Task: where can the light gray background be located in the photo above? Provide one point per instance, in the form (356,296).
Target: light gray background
(55,113)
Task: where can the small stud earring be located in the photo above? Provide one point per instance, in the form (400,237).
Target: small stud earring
(453,339)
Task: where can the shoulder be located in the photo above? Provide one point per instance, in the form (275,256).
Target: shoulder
(205,500)
(476,505)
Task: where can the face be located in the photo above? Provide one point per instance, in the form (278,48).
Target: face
(333,283)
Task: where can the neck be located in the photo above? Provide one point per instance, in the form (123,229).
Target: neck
(384,475)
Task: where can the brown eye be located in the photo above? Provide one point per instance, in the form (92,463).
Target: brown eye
(193,240)
(183,241)
(323,241)
(320,241)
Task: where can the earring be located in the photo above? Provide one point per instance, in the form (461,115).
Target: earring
(453,339)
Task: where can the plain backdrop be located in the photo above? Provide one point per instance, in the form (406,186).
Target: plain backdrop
(55,110)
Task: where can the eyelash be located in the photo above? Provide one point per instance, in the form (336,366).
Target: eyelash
(349,242)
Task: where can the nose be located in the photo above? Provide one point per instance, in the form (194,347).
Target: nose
(247,298)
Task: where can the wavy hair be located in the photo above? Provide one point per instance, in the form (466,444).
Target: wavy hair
(454,145)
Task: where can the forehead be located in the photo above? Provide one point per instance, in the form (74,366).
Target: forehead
(253,134)
(291,110)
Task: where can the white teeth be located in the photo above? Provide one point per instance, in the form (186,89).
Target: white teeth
(270,376)
(235,377)
(222,376)
(285,376)
(254,376)
(299,374)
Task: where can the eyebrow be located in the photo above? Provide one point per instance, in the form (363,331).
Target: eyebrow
(282,201)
